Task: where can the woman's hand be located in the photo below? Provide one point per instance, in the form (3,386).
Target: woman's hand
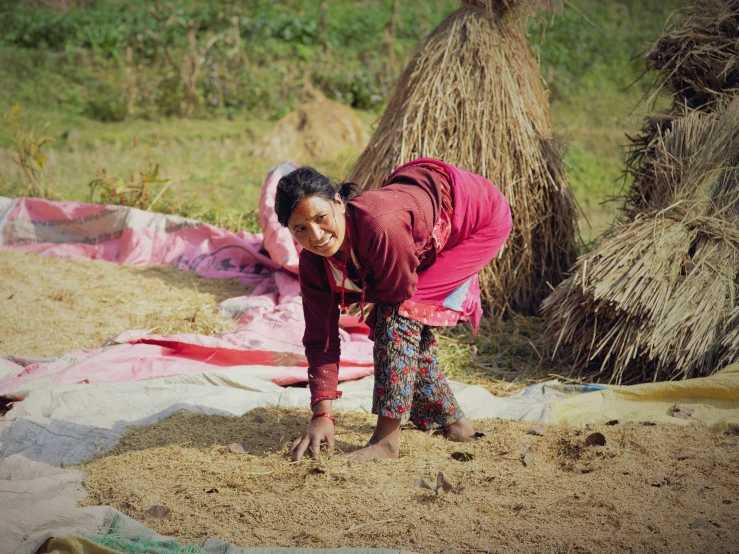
(320,430)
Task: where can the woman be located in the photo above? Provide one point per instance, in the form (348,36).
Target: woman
(413,248)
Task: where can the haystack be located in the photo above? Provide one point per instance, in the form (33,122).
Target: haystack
(473,96)
(658,298)
(318,129)
(696,57)
(696,61)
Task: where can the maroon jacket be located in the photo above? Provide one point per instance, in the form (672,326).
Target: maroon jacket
(391,235)
(390,230)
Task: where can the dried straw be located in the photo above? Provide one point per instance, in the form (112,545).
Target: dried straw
(696,57)
(657,299)
(265,500)
(473,97)
(696,60)
(50,306)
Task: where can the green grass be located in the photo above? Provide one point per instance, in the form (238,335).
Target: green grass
(208,160)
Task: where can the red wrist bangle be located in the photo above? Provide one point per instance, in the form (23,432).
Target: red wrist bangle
(324,414)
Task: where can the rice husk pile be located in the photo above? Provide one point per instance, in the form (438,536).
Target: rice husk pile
(473,97)
(659,488)
(49,306)
(315,130)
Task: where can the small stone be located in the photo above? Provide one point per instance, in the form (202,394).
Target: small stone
(443,484)
(239,448)
(538,431)
(615,422)
(680,412)
(528,456)
(682,456)
(698,523)
(158,512)
(596,439)
(727,501)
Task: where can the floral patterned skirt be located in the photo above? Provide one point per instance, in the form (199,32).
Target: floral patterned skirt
(408,381)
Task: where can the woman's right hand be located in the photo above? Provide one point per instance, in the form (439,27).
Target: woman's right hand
(320,430)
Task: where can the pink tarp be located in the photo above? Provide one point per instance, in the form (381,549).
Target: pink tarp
(270,315)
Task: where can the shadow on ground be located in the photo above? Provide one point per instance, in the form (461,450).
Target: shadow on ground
(264,431)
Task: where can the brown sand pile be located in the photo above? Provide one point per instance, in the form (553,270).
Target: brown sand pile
(50,306)
(318,129)
(662,488)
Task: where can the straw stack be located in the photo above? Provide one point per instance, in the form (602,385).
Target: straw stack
(472,96)
(696,60)
(658,298)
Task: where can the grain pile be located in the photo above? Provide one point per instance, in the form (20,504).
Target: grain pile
(657,298)
(49,306)
(663,488)
(473,97)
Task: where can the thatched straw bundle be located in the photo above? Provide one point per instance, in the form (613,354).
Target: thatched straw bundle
(473,97)
(658,298)
(697,56)
(696,60)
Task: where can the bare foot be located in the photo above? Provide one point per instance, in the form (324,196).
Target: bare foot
(460,431)
(383,444)
(384,449)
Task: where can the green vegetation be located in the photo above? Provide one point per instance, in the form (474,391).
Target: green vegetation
(186,87)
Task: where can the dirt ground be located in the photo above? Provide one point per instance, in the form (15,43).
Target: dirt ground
(91,302)
(650,488)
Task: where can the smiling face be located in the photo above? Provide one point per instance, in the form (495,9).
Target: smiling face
(319,225)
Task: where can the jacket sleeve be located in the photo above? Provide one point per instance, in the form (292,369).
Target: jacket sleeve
(321,314)
(391,255)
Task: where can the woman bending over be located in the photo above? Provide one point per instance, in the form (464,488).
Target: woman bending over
(413,248)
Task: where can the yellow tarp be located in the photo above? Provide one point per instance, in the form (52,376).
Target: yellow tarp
(714,401)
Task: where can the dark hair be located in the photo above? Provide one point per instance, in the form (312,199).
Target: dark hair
(305,182)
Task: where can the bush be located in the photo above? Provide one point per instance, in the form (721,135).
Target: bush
(75,58)
(107,103)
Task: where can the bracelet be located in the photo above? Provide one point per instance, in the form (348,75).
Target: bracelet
(324,414)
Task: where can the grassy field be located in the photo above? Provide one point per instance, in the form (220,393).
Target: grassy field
(208,161)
